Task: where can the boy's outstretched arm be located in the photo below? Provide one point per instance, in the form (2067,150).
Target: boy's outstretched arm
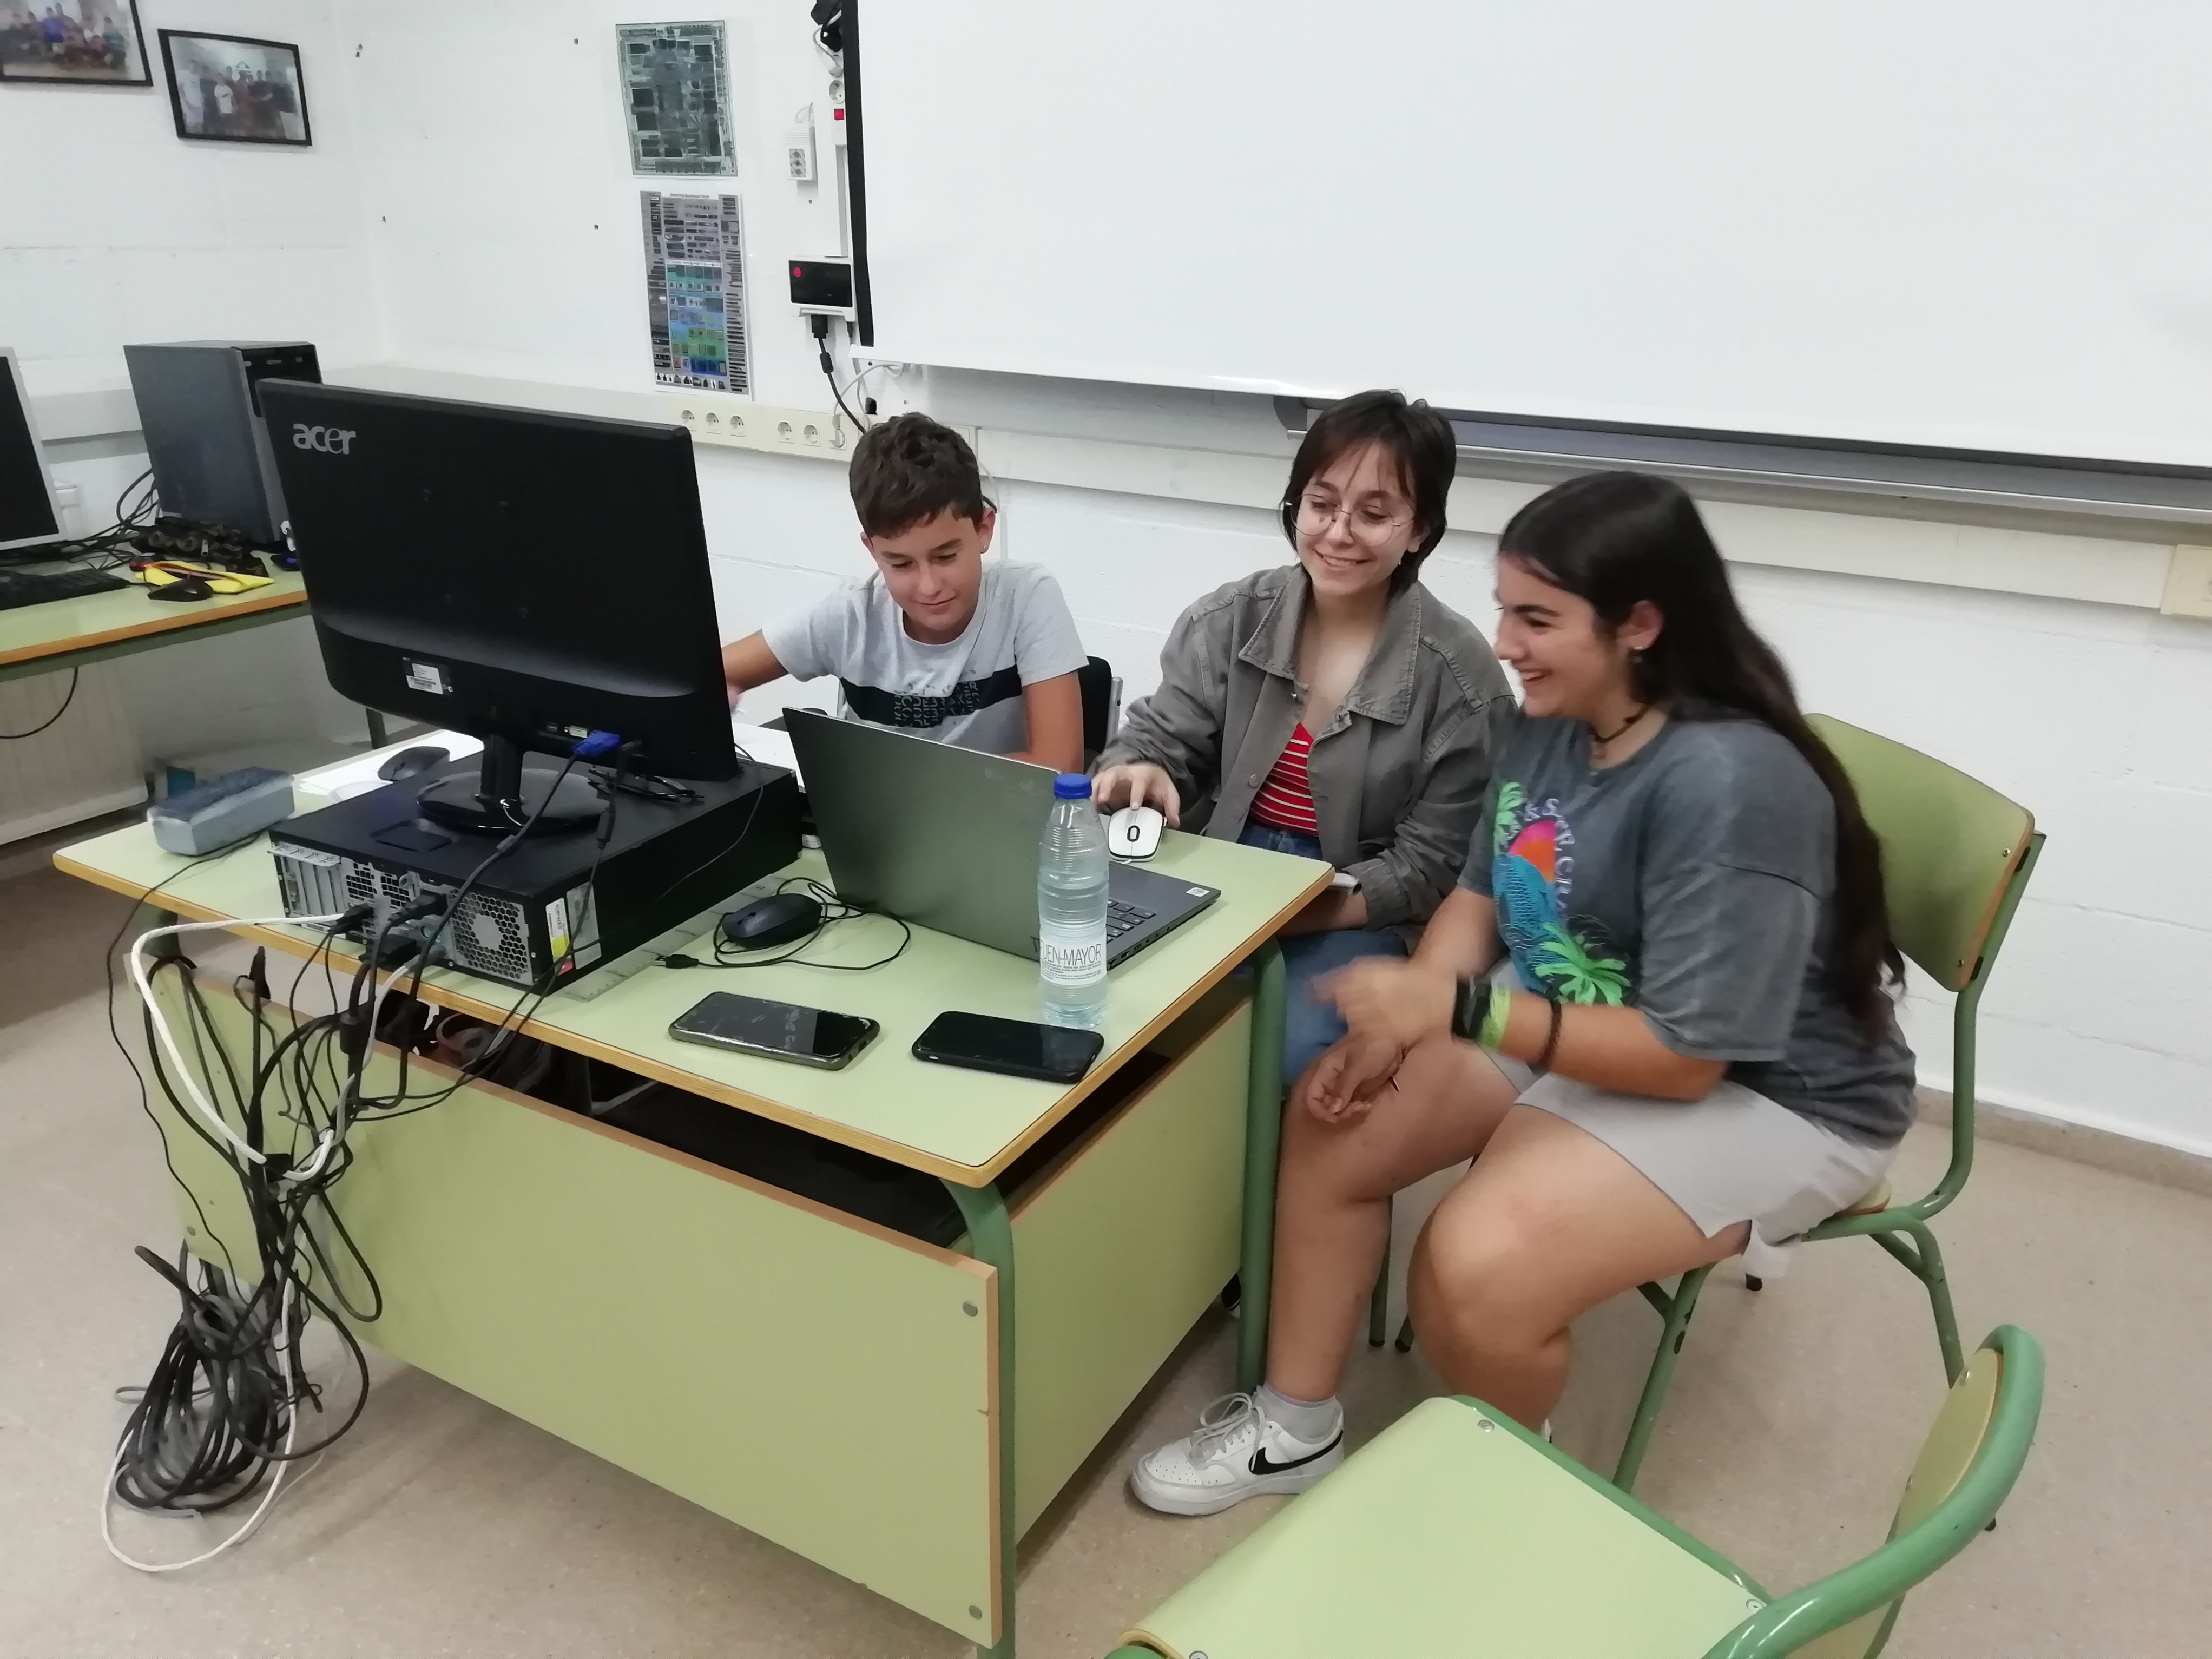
(1054,707)
(750,663)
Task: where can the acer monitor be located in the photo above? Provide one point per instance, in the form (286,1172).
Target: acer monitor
(525,577)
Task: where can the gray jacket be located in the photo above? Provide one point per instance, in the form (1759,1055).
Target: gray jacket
(1398,774)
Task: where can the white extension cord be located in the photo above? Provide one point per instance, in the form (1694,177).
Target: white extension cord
(205,1107)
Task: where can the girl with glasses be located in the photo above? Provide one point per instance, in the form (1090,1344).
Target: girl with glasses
(1332,708)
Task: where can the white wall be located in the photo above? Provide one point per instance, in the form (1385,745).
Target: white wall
(476,252)
(112,229)
(501,210)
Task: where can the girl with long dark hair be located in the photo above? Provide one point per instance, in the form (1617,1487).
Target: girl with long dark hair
(1658,1010)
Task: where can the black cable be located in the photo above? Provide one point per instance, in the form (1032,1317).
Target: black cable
(225,1395)
(115,1035)
(117,542)
(834,910)
(820,325)
(68,697)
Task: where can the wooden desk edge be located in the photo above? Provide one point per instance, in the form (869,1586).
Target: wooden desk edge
(898,1151)
(159,622)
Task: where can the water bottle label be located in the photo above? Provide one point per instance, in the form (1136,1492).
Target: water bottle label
(1071,959)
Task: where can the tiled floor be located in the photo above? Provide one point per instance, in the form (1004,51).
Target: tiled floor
(442,1527)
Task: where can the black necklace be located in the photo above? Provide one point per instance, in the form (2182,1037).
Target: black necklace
(1603,738)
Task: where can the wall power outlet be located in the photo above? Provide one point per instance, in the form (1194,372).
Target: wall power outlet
(741,424)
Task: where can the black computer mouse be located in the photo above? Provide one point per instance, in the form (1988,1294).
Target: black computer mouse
(181,590)
(413,763)
(776,920)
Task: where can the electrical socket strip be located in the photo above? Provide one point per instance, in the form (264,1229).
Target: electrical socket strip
(741,424)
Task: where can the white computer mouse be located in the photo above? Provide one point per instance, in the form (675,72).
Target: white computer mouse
(1134,832)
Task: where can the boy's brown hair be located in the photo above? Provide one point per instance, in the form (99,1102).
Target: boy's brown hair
(909,469)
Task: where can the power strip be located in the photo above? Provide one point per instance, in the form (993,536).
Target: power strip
(741,424)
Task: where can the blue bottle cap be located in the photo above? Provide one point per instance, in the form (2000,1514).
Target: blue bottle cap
(1071,786)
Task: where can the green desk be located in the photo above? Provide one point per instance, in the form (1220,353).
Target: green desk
(898,1412)
(41,639)
(44,639)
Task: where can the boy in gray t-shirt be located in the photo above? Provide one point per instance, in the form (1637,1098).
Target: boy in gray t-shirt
(935,643)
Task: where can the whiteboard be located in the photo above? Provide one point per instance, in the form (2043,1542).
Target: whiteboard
(1953,222)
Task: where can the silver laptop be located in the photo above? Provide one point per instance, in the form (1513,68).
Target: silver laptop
(947,838)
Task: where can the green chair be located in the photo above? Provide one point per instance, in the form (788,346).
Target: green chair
(1956,856)
(1457,1532)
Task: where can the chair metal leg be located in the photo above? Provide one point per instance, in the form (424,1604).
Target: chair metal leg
(1753,1282)
(1678,1308)
(1378,1305)
(1939,1301)
(1405,1342)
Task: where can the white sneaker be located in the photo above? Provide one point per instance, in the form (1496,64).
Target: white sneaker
(1237,1452)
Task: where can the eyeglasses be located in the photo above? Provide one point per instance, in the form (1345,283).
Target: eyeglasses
(1371,523)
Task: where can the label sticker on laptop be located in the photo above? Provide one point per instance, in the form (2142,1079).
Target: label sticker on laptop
(423,676)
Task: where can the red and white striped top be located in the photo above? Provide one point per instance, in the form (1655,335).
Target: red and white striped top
(1286,799)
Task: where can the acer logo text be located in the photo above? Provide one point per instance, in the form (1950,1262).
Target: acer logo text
(330,440)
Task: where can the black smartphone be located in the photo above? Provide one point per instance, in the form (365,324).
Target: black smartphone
(781,1030)
(1018,1048)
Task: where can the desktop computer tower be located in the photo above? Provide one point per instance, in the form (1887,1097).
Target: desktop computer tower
(554,907)
(199,406)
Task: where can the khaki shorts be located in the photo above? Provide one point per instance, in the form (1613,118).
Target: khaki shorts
(1734,1156)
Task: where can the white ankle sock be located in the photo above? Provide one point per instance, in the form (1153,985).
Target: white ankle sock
(1311,1420)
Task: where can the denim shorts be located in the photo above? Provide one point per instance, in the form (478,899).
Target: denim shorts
(1309,1027)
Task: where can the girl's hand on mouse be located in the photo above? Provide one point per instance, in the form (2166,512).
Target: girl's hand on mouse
(1137,783)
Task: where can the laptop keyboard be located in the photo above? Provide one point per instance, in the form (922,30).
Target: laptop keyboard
(1121,917)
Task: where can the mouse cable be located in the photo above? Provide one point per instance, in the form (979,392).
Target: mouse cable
(834,909)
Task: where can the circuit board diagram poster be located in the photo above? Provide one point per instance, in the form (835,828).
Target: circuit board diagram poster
(694,286)
(676,96)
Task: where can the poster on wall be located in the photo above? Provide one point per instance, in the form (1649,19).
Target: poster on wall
(695,292)
(676,96)
(86,43)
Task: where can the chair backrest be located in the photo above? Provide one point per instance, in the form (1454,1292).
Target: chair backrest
(1949,846)
(1967,1465)
(1102,703)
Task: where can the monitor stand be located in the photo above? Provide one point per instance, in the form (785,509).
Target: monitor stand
(504,793)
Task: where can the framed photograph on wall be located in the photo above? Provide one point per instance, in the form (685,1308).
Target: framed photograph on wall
(86,43)
(233,89)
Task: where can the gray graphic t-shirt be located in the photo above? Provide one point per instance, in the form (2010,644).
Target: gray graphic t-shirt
(1693,881)
(968,691)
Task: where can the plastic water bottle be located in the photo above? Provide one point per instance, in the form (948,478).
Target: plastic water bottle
(1073,868)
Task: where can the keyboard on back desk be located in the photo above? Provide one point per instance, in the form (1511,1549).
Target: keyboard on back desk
(22,587)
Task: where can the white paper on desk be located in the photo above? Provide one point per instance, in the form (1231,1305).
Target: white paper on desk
(769,748)
(326,781)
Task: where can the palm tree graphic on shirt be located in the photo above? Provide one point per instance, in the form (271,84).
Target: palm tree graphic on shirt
(1552,954)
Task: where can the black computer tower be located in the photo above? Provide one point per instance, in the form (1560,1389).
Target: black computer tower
(199,406)
(554,907)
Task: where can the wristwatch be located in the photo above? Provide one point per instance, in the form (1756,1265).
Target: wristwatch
(1470,1007)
